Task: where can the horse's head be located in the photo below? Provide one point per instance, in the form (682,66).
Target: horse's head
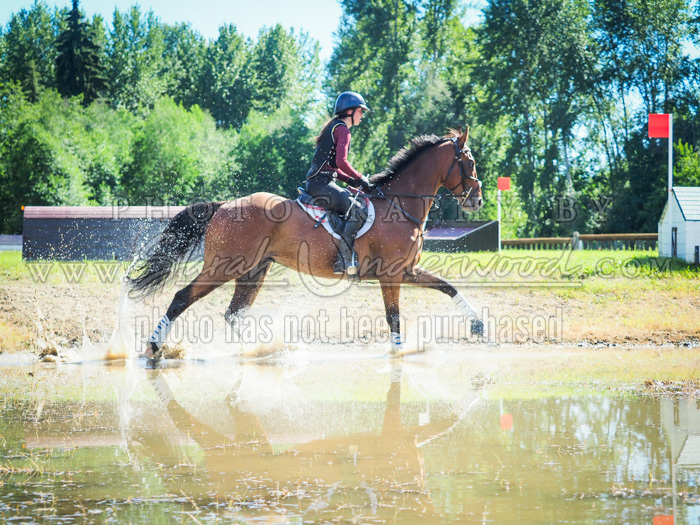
(461,179)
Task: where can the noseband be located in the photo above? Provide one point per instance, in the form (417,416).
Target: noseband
(458,160)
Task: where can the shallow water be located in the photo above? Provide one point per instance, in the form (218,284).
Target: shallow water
(336,440)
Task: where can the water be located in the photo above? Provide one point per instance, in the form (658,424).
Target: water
(328,439)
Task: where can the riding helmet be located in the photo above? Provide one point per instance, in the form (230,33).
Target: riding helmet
(349,100)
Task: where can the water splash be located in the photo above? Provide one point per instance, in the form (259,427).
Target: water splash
(120,345)
(268,338)
(45,341)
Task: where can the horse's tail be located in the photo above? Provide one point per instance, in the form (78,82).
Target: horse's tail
(178,242)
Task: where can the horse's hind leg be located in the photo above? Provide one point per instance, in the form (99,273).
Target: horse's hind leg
(202,285)
(247,288)
(424,278)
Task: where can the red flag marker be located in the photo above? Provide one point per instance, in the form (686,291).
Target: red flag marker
(504,183)
(659,125)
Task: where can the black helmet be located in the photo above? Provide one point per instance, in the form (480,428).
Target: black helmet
(349,100)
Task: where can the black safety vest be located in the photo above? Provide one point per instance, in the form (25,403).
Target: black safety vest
(325,149)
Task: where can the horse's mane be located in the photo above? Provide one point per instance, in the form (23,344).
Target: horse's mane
(408,154)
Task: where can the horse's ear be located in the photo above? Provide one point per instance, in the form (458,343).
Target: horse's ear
(463,136)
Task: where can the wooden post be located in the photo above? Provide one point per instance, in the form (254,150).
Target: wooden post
(574,241)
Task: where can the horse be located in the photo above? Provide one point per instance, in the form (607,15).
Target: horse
(243,237)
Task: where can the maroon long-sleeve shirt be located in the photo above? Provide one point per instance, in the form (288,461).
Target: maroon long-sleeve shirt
(341,137)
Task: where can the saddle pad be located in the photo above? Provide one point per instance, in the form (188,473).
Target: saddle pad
(316,212)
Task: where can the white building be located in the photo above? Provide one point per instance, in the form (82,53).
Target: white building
(679,226)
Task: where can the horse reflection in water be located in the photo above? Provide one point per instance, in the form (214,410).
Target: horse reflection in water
(376,475)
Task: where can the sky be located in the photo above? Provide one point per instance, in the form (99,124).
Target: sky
(318,18)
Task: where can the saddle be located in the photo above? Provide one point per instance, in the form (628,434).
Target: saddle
(332,220)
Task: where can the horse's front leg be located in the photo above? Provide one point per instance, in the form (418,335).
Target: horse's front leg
(424,278)
(390,292)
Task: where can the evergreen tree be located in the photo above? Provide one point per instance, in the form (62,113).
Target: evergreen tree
(78,66)
(28,52)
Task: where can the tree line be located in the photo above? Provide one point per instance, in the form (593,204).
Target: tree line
(556,92)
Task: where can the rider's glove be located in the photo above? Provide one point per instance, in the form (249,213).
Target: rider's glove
(362,182)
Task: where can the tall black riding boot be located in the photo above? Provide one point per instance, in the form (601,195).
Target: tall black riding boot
(347,260)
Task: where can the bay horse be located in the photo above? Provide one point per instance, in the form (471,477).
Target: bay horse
(244,236)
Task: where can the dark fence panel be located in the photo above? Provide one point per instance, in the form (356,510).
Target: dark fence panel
(91,233)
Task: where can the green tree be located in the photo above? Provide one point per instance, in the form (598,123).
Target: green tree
(79,69)
(687,165)
(273,152)
(276,63)
(135,72)
(106,150)
(40,166)
(375,55)
(184,61)
(175,155)
(532,54)
(27,51)
(642,58)
(438,15)
(225,83)
(641,44)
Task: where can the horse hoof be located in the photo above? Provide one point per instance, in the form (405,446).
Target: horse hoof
(352,270)
(477,327)
(156,353)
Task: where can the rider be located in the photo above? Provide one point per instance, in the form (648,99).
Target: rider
(330,162)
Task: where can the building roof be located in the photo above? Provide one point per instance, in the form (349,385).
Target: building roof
(689,202)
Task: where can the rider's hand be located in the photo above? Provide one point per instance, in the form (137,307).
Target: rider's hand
(364,183)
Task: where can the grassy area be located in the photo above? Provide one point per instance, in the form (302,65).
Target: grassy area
(553,265)
(512,266)
(12,267)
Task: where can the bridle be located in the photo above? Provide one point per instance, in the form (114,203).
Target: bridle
(458,160)
(463,181)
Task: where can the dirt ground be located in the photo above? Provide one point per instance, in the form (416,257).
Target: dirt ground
(296,311)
